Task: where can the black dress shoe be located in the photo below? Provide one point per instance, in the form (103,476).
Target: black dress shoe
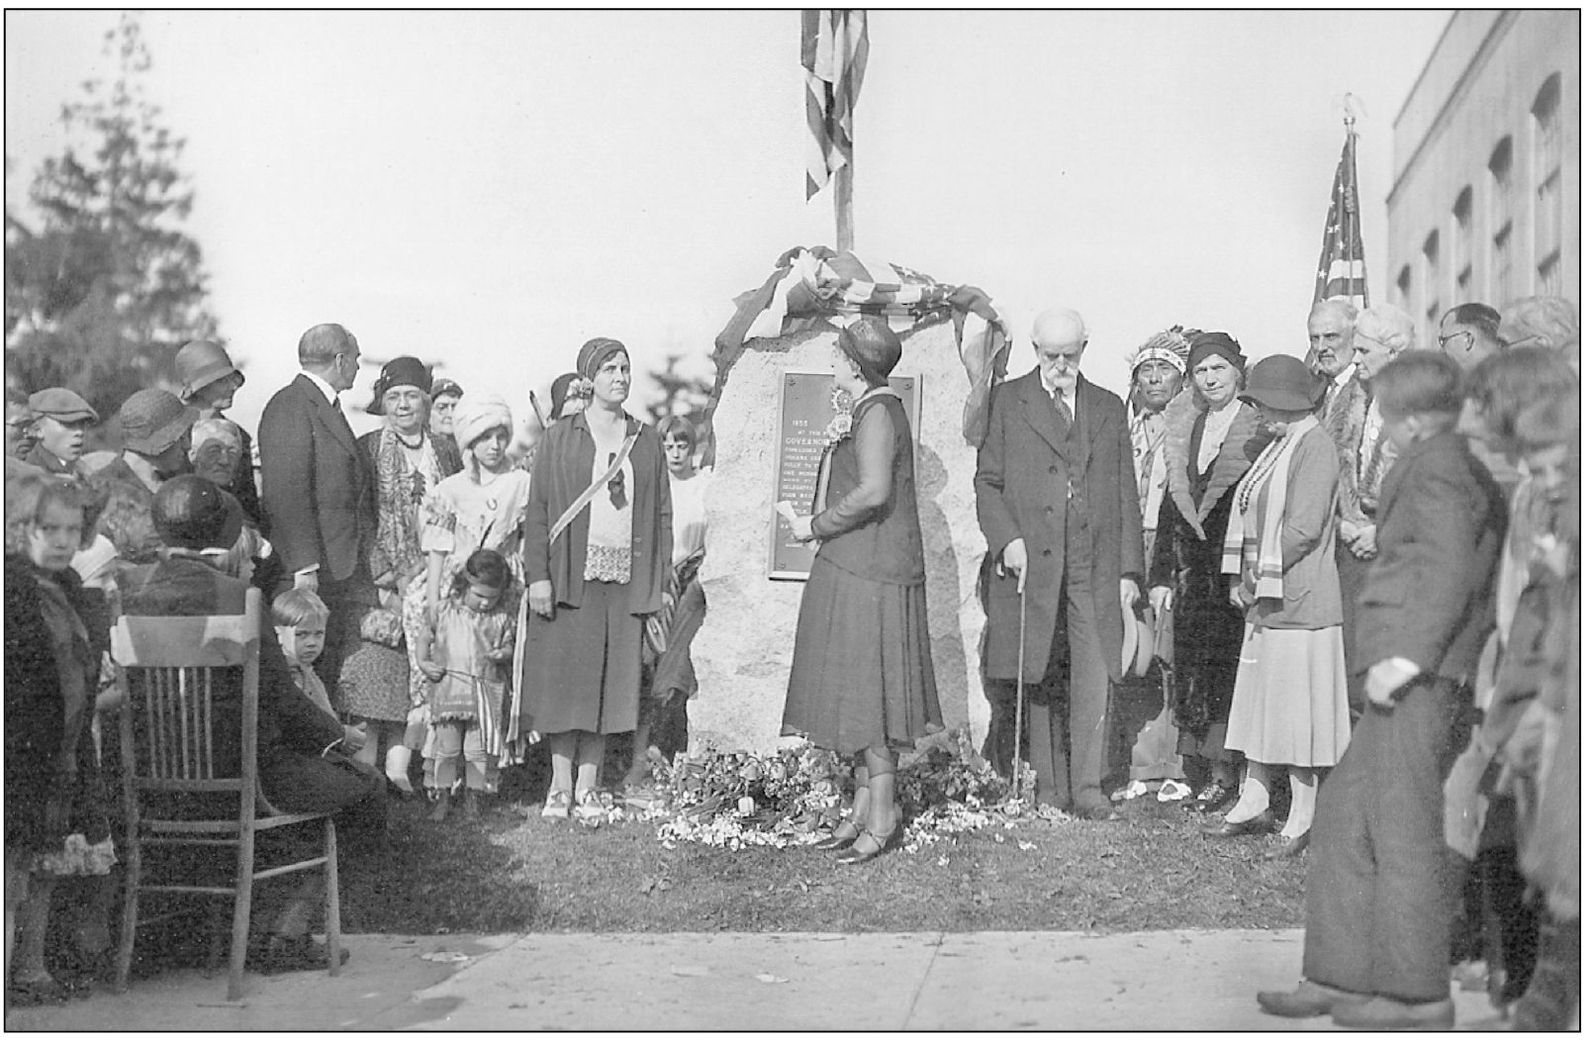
(1260,825)
(1288,848)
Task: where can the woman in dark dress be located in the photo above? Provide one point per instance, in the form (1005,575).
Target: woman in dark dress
(862,683)
(1207,454)
(598,544)
(375,684)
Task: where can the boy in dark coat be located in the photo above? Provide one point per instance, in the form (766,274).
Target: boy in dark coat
(1380,892)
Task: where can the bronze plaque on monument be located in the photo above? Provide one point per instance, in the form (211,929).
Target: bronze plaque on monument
(810,409)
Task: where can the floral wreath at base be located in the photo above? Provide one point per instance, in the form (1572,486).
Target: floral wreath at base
(796,796)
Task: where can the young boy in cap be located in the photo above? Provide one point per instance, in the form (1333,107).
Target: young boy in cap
(1380,892)
(61,422)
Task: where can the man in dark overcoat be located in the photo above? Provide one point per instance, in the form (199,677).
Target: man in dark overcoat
(317,489)
(1383,882)
(1055,493)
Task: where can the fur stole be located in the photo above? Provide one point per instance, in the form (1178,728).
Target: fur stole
(1242,445)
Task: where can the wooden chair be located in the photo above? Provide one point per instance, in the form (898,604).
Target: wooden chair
(172,670)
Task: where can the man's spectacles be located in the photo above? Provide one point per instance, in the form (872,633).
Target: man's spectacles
(1452,336)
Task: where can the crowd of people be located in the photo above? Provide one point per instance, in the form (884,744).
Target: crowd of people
(439,586)
(1295,587)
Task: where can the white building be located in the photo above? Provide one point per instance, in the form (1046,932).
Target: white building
(1484,205)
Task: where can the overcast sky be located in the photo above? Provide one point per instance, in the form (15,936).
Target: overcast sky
(493,188)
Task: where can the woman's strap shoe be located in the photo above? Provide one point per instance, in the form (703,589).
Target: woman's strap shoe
(1288,848)
(843,836)
(856,855)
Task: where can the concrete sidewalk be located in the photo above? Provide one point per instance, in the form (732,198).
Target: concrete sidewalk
(1171,980)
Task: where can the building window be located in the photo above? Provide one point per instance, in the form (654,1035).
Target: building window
(1501,215)
(1501,264)
(1404,288)
(1548,183)
(1548,276)
(1462,243)
(1431,275)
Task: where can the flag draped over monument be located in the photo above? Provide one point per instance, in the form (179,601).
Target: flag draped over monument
(835,51)
(817,286)
(1341,269)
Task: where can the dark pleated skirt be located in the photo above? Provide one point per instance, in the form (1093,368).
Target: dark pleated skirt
(861,664)
(584,666)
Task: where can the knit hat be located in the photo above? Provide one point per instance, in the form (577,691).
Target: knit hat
(61,404)
(201,363)
(152,420)
(404,371)
(1222,344)
(594,353)
(1168,345)
(444,387)
(873,347)
(476,413)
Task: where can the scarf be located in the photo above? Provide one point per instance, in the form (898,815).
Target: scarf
(399,492)
(1249,537)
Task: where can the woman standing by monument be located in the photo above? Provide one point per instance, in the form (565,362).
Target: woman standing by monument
(862,683)
(598,547)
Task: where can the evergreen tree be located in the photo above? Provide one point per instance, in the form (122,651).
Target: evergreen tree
(103,285)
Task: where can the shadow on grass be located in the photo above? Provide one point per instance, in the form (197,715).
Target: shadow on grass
(513,871)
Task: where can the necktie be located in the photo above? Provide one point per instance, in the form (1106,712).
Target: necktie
(1063,409)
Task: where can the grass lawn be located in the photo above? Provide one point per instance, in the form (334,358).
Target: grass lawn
(512,871)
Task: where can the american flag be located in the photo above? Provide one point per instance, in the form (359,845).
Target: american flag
(835,50)
(1341,270)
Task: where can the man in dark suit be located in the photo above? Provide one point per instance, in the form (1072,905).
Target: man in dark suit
(1381,889)
(317,489)
(1055,493)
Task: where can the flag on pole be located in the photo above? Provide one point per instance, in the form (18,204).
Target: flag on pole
(835,50)
(1341,269)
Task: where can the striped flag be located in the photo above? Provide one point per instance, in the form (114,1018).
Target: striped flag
(1341,270)
(835,50)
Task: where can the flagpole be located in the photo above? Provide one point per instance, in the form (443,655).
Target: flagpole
(1350,120)
(844,208)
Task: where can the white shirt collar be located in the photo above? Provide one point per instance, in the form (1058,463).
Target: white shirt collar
(326,389)
(1344,376)
(1067,389)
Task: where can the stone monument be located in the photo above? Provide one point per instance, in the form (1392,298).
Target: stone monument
(743,653)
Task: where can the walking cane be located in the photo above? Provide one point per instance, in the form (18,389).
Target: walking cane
(1019,693)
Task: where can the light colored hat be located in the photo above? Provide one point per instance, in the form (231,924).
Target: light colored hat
(201,363)
(63,404)
(152,420)
(476,413)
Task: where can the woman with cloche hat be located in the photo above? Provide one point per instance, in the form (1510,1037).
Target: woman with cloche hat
(209,380)
(408,462)
(1290,703)
(862,684)
(1213,438)
(598,546)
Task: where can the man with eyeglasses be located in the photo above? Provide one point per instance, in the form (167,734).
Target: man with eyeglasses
(1468,334)
(19,426)
(317,490)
